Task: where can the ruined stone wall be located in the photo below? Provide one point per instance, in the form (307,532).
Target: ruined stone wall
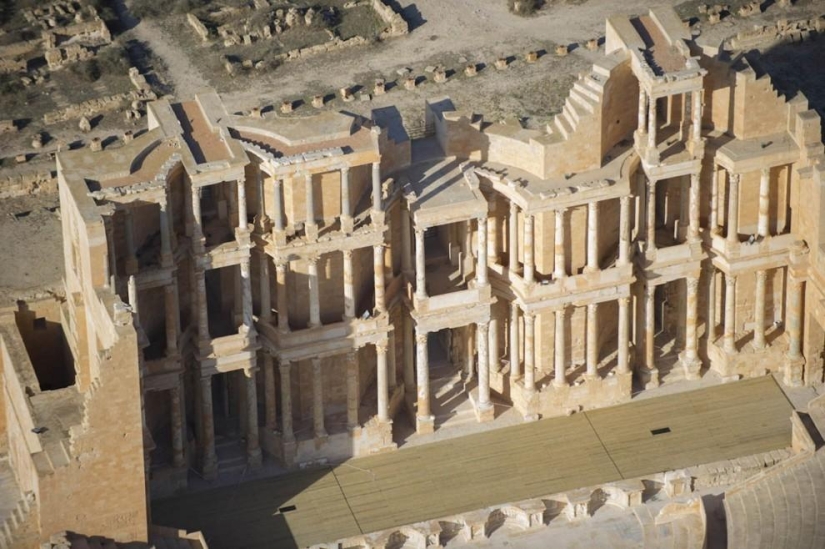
(757,95)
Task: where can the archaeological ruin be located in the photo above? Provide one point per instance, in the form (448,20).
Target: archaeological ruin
(318,305)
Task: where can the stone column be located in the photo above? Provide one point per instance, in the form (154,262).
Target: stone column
(759,311)
(691,358)
(529,352)
(696,133)
(349,288)
(200,303)
(279,205)
(353,390)
(286,403)
(165,234)
(730,314)
(132,294)
(651,214)
(311,225)
(651,124)
(492,234)
(493,343)
(409,355)
(420,268)
(197,218)
(376,186)
(346,208)
(270,396)
(253,444)
(693,208)
(243,217)
(209,460)
(764,202)
(131,258)
(642,112)
(529,265)
(111,256)
(281,293)
(381,381)
(246,295)
(424,419)
(560,379)
(592,237)
(378,268)
(469,350)
(592,340)
(794,318)
(170,294)
(176,410)
(318,399)
(711,322)
(481,259)
(482,340)
(623,335)
(559,267)
(266,298)
(714,200)
(624,230)
(314,297)
(733,210)
(512,238)
(263,217)
(650,328)
(406,242)
(513,345)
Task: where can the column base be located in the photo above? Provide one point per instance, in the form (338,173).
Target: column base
(650,378)
(590,377)
(320,440)
(209,469)
(793,369)
(691,366)
(290,449)
(484,412)
(347,225)
(424,425)
(651,156)
(254,458)
(311,232)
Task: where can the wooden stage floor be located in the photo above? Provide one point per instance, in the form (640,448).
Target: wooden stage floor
(463,474)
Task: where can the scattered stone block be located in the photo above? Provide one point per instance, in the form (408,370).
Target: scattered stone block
(346,94)
(380,87)
(592,44)
(7,126)
(471,70)
(409,83)
(501,63)
(562,50)
(531,56)
(440,76)
(37,141)
(96,144)
(128,136)
(20,158)
(84,124)
(286,106)
(318,101)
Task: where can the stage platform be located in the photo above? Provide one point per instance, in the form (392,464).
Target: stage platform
(472,472)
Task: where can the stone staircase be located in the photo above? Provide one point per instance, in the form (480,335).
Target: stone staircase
(14,507)
(160,537)
(583,101)
(231,455)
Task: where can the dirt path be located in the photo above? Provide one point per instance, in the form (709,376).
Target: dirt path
(184,77)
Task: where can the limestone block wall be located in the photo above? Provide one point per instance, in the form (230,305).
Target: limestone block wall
(752,95)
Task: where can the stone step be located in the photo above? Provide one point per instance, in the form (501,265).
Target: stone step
(587,91)
(581,100)
(563,126)
(572,120)
(595,83)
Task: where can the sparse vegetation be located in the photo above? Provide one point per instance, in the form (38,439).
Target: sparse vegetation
(523,7)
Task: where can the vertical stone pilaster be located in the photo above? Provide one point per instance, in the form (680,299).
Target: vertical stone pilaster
(529,352)
(481,260)
(592,340)
(382,382)
(730,314)
(209,460)
(764,202)
(624,230)
(286,403)
(512,238)
(559,267)
(420,266)
(592,237)
(560,378)
(623,335)
(314,295)
(759,311)
(281,297)
(253,444)
(378,268)
(529,263)
(733,210)
(318,399)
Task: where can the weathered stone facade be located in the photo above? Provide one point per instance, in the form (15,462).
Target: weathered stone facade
(273,286)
